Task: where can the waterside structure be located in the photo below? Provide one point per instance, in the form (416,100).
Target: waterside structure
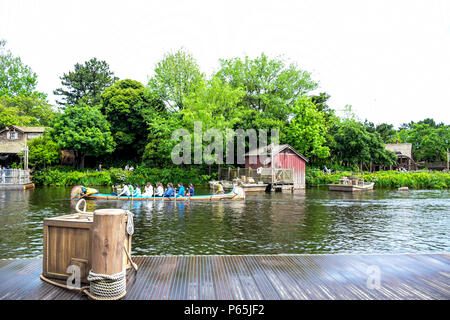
(257,277)
(15,179)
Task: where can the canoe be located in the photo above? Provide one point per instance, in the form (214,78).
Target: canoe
(237,193)
(350,187)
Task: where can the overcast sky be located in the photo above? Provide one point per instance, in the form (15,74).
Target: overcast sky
(390,60)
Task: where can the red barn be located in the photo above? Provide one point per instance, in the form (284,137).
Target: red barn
(284,157)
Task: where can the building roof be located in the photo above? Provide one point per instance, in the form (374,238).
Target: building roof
(266,151)
(400,149)
(25,129)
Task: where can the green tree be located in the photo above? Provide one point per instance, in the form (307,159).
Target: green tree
(354,145)
(161,125)
(214,104)
(85,130)
(176,76)
(29,107)
(124,105)
(307,130)
(14,116)
(271,87)
(85,83)
(429,140)
(43,151)
(16,78)
(386,130)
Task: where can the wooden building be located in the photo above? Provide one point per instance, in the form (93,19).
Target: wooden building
(13,140)
(404,155)
(279,157)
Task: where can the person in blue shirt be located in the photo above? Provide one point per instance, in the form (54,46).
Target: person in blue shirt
(190,190)
(169,192)
(181,191)
(137,191)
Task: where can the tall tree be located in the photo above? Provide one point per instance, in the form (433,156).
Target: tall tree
(176,76)
(354,145)
(430,141)
(14,116)
(214,104)
(307,130)
(16,78)
(85,83)
(125,104)
(271,86)
(386,130)
(84,130)
(29,107)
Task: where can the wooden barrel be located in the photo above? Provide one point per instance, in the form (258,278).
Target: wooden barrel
(108,241)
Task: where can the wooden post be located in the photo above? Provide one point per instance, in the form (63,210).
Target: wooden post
(448,157)
(108,241)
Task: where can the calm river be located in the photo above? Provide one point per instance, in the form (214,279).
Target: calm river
(310,221)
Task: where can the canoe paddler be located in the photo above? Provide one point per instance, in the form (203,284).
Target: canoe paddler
(220,188)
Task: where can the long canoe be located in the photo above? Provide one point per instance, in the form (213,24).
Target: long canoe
(236,194)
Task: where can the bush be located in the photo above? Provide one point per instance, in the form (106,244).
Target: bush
(388,179)
(66,176)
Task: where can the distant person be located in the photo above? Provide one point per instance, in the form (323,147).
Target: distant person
(137,191)
(159,190)
(3,174)
(125,191)
(148,191)
(99,168)
(181,191)
(130,187)
(190,192)
(127,167)
(220,188)
(169,192)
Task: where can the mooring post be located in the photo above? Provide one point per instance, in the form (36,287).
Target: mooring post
(108,241)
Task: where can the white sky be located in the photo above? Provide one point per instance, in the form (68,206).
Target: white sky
(389,59)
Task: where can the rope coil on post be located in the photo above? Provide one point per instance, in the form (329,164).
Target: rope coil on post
(107,287)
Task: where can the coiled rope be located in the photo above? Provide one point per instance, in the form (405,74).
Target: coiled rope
(103,286)
(107,287)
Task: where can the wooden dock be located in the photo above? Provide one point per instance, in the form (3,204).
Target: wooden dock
(257,277)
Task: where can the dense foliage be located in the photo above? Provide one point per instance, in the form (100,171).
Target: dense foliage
(84,130)
(388,179)
(64,176)
(20,103)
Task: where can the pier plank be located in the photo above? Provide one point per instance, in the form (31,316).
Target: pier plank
(254,277)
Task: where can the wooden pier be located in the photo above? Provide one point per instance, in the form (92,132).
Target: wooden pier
(257,277)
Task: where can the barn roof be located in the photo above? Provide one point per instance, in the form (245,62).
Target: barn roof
(266,151)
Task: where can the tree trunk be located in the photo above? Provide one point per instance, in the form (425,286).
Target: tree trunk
(79,159)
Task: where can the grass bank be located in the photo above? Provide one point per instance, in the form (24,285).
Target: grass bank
(388,179)
(66,176)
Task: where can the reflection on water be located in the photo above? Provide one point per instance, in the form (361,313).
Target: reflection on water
(311,221)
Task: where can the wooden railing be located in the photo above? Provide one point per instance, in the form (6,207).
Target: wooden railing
(266,175)
(14,176)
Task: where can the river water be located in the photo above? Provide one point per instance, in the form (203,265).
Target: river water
(309,221)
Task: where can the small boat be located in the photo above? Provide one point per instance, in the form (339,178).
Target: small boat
(237,193)
(347,184)
(248,187)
